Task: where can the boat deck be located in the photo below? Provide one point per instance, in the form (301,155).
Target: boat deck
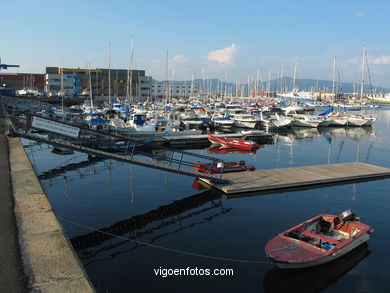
(299,177)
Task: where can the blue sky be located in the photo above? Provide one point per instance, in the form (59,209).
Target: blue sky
(226,38)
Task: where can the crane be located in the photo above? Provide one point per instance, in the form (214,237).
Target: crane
(5,66)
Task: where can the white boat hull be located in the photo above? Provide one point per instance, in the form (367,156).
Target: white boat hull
(305,123)
(356,122)
(245,124)
(338,122)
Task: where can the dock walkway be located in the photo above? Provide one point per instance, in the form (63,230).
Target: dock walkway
(127,158)
(298,177)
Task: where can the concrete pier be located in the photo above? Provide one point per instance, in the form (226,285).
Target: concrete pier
(35,252)
(12,277)
(49,260)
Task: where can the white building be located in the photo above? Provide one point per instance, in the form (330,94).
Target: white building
(53,83)
(161,89)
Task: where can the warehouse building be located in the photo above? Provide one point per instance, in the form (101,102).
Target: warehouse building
(103,82)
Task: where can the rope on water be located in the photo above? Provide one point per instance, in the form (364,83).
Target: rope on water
(167,248)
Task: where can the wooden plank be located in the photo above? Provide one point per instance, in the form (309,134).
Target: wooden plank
(274,179)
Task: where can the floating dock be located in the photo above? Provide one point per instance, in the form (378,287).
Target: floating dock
(298,177)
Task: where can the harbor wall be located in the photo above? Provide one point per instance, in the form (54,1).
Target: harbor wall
(49,260)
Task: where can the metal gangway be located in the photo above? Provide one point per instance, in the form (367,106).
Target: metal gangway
(68,135)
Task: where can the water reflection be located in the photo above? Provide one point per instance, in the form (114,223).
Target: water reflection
(289,135)
(58,171)
(352,132)
(223,150)
(181,214)
(313,279)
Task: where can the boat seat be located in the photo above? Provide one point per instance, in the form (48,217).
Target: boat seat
(324,227)
(322,238)
(337,222)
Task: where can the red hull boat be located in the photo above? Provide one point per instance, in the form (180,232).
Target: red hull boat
(234,143)
(228,167)
(319,240)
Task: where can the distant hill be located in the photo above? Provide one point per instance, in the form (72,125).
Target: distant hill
(302,84)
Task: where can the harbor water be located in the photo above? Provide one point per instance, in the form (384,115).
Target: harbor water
(132,226)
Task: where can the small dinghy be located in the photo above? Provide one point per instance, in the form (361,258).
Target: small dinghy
(319,240)
(233,143)
(225,167)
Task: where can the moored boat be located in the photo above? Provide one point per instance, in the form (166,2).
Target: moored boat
(319,240)
(222,167)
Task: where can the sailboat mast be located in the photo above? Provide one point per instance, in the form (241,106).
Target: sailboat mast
(129,72)
(62,91)
(334,76)
(192,86)
(166,78)
(109,73)
(295,75)
(281,78)
(362,76)
(269,83)
(90,84)
(173,84)
(203,86)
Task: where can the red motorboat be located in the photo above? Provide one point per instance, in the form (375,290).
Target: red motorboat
(228,167)
(233,143)
(319,240)
(220,150)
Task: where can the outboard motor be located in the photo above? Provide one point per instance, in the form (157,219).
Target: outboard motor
(348,215)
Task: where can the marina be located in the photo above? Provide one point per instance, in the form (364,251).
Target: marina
(173,147)
(167,213)
(239,164)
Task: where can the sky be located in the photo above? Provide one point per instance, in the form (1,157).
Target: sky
(229,40)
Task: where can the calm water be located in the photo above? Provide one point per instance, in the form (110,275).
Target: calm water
(107,193)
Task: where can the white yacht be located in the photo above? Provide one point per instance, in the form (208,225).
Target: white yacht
(302,120)
(246,120)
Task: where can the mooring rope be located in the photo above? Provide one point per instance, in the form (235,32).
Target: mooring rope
(166,248)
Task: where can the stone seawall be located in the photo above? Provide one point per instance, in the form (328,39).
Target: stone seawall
(49,260)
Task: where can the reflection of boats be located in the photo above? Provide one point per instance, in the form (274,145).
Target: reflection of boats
(300,132)
(313,279)
(62,151)
(222,167)
(319,240)
(290,134)
(353,132)
(50,174)
(233,143)
(219,150)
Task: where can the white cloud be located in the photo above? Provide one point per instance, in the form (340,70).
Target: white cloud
(381,60)
(179,59)
(223,56)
